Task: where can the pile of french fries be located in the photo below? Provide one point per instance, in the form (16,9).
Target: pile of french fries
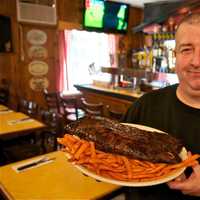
(118,167)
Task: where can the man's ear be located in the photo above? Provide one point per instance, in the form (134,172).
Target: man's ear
(174,51)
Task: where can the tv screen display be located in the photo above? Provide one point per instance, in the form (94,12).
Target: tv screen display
(105,16)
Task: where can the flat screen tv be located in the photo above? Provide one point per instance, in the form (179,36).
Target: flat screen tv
(105,16)
(5,34)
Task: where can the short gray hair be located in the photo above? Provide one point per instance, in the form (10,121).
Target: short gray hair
(192,18)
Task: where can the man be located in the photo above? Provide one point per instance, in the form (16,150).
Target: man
(176,110)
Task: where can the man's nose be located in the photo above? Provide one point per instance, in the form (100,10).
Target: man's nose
(196,58)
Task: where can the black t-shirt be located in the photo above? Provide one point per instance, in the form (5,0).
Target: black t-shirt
(161,109)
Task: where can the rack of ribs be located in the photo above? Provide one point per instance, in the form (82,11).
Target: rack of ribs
(113,137)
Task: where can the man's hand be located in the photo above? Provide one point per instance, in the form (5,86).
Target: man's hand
(189,186)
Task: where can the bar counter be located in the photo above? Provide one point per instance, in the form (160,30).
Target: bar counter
(118,98)
(122,93)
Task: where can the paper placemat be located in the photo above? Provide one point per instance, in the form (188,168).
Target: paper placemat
(19,121)
(17,166)
(5,111)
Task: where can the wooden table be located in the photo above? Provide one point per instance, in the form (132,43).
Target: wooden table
(2,107)
(10,129)
(56,180)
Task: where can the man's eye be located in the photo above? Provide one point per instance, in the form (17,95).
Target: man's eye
(186,50)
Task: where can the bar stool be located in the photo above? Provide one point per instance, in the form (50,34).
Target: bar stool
(114,114)
(95,109)
(71,110)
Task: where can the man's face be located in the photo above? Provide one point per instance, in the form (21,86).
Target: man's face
(188,56)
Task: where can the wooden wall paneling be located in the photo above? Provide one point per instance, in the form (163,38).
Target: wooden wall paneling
(70,11)
(135,18)
(130,40)
(4,62)
(8,7)
(24,76)
(8,60)
(62,25)
(16,71)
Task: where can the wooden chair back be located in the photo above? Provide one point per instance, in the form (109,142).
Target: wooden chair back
(4,96)
(70,109)
(55,126)
(114,114)
(4,92)
(28,107)
(52,101)
(95,109)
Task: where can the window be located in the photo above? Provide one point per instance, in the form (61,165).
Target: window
(86,53)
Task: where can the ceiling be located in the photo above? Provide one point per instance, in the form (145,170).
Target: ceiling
(41,2)
(140,3)
(134,3)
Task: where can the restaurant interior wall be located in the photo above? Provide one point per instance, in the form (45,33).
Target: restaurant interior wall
(8,60)
(15,71)
(14,65)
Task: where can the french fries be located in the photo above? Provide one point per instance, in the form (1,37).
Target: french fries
(118,167)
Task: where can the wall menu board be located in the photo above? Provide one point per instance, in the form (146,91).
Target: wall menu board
(5,34)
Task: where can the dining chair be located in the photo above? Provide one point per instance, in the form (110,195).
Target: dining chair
(114,114)
(4,96)
(27,145)
(28,107)
(55,128)
(92,108)
(31,109)
(4,92)
(52,101)
(21,148)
